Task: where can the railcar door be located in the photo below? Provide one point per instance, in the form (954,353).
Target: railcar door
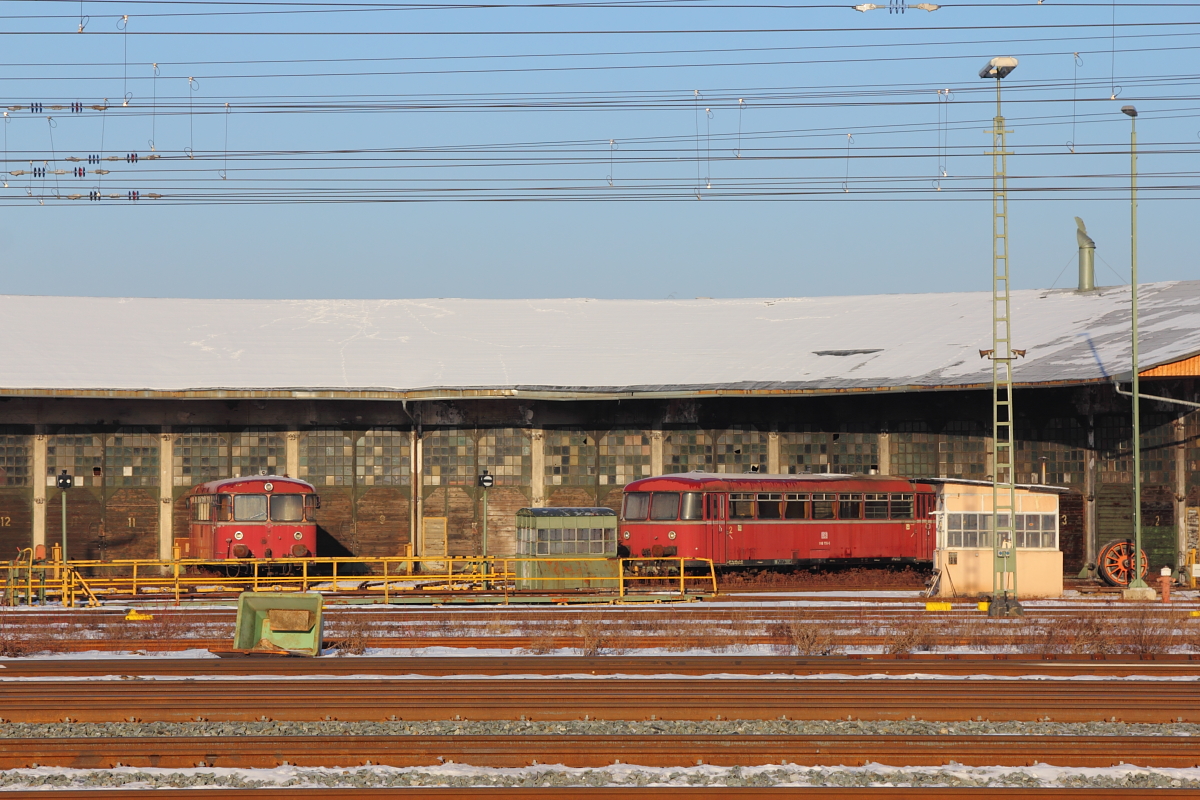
(715,525)
(923,531)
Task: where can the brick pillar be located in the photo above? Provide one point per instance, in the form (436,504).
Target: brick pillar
(39,489)
(885,453)
(773,453)
(416,478)
(656,452)
(537,465)
(292,468)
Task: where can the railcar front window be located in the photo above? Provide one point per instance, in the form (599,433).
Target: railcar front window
(223,508)
(768,506)
(796,507)
(850,506)
(902,506)
(741,505)
(664,505)
(637,505)
(822,505)
(250,507)
(311,503)
(877,506)
(693,507)
(287,507)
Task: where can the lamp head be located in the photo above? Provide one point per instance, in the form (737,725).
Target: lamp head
(998,67)
(1129,111)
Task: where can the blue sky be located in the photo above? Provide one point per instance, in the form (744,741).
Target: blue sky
(696,195)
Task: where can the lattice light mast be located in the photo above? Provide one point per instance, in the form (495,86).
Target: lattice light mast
(1004,492)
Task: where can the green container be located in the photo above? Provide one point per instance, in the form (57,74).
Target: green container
(279,622)
(576,548)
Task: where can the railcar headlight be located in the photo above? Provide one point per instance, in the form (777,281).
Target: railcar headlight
(238,535)
(626,534)
(670,534)
(297,536)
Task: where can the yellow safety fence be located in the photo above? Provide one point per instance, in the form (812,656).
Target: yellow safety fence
(26,581)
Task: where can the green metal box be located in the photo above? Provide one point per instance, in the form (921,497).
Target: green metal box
(567,548)
(278,622)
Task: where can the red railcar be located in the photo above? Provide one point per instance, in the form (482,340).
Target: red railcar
(767,520)
(264,516)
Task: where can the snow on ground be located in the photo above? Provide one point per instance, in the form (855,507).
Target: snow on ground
(461,775)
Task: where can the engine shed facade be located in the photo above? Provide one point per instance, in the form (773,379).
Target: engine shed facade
(398,431)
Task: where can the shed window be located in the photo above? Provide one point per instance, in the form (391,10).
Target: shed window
(877,506)
(850,506)
(665,505)
(822,505)
(741,505)
(637,505)
(693,506)
(796,506)
(250,507)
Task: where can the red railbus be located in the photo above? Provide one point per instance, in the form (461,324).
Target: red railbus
(264,516)
(769,520)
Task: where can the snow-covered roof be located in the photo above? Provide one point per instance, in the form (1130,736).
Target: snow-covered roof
(449,348)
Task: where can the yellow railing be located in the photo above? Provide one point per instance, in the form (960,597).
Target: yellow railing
(384,577)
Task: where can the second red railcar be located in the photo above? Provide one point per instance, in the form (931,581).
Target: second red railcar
(769,520)
(264,516)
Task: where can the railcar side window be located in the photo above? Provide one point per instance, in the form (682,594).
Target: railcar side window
(693,508)
(287,507)
(741,505)
(850,506)
(902,506)
(822,505)
(637,505)
(201,508)
(796,507)
(223,508)
(877,506)
(768,506)
(664,505)
(250,507)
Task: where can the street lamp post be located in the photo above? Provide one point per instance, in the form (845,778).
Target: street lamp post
(64,482)
(1135,580)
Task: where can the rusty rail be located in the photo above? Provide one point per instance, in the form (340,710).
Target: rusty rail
(435,698)
(599,751)
(621,793)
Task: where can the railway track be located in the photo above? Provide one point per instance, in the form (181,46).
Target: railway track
(601,698)
(1006,665)
(594,751)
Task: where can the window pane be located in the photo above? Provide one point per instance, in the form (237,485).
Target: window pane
(250,507)
(741,506)
(970,522)
(692,506)
(902,506)
(877,506)
(637,505)
(970,538)
(822,506)
(287,507)
(954,522)
(768,506)
(665,505)
(224,508)
(955,538)
(850,506)
(796,509)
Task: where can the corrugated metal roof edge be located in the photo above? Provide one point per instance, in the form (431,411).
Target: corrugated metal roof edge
(526,392)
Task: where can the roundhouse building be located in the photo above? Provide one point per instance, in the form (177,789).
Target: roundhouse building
(392,408)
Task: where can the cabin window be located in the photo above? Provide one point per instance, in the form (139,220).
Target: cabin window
(637,505)
(693,506)
(741,505)
(768,506)
(822,505)
(287,507)
(850,506)
(1036,530)
(796,506)
(877,506)
(223,508)
(902,506)
(665,505)
(201,508)
(250,507)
